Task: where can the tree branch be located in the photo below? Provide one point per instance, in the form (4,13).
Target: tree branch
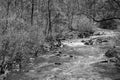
(105,19)
(117,3)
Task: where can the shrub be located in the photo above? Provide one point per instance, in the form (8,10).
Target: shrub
(109,24)
(18,46)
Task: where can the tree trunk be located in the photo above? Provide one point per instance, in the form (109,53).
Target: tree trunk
(70,16)
(32,12)
(21,3)
(2,69)
(49,19)
(70,22)
(7,13)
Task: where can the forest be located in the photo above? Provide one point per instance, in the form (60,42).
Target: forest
(59,39)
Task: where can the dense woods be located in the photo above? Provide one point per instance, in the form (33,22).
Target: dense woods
(30,28)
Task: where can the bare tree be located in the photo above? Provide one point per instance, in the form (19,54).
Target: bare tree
(101,10)
(72,8)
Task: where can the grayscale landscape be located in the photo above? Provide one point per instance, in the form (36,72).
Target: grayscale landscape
(59,40)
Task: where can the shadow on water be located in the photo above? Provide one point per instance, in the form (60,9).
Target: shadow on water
(107,70)
(17,76)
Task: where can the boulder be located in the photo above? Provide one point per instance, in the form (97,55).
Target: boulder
(113,53)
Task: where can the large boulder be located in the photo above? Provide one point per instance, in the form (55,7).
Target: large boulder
(79,21)
(113,54)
